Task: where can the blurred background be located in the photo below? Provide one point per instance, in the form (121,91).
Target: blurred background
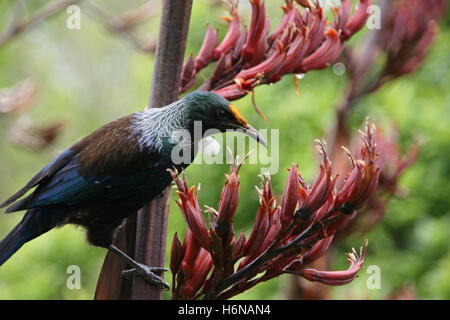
(64,83)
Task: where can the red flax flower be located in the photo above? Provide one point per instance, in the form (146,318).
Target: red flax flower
(407,32)
(189,264)
(408,28)
(360,186)
(398,48)
(335,278)
(229,197)
(191,211)
(285,237)
(392,163)
(304,40)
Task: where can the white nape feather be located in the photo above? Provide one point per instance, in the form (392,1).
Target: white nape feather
(154,124)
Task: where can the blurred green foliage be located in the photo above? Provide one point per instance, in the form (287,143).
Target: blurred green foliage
(88,77)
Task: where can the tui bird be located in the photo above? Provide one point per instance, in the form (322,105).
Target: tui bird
(114,171)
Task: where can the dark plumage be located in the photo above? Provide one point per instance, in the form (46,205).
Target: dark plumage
(113,171)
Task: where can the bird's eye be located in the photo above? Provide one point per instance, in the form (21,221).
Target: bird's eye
(222,113)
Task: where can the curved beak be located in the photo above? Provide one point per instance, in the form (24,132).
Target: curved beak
(253,133)
(241,123)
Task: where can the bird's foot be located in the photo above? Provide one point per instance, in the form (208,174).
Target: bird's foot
(147,273)
(140,269)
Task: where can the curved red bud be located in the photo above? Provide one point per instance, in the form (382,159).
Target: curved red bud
(231,92)
(253,245)
(176,255)
(358,19)
(187,79)
(322,187)
(317,250)
(191,250)
(335,278)
(229,197)
(286,21)
(238,249)
(191,211)
(363,179)
(206,52)
(273,232)
(257,26)
(327,52)
(195,281)
(232,36)
(265,68)
(342,14)
(290,196)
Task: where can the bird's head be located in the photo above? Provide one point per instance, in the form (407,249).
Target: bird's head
(215,112)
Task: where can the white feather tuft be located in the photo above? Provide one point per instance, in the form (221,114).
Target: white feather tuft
(154,124)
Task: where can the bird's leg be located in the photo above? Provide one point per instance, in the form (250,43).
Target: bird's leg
(141,269)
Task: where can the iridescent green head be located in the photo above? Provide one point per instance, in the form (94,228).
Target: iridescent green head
(216,112)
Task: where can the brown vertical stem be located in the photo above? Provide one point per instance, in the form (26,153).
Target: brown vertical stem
(151,221)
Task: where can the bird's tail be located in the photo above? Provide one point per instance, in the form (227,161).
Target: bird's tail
(34,223)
